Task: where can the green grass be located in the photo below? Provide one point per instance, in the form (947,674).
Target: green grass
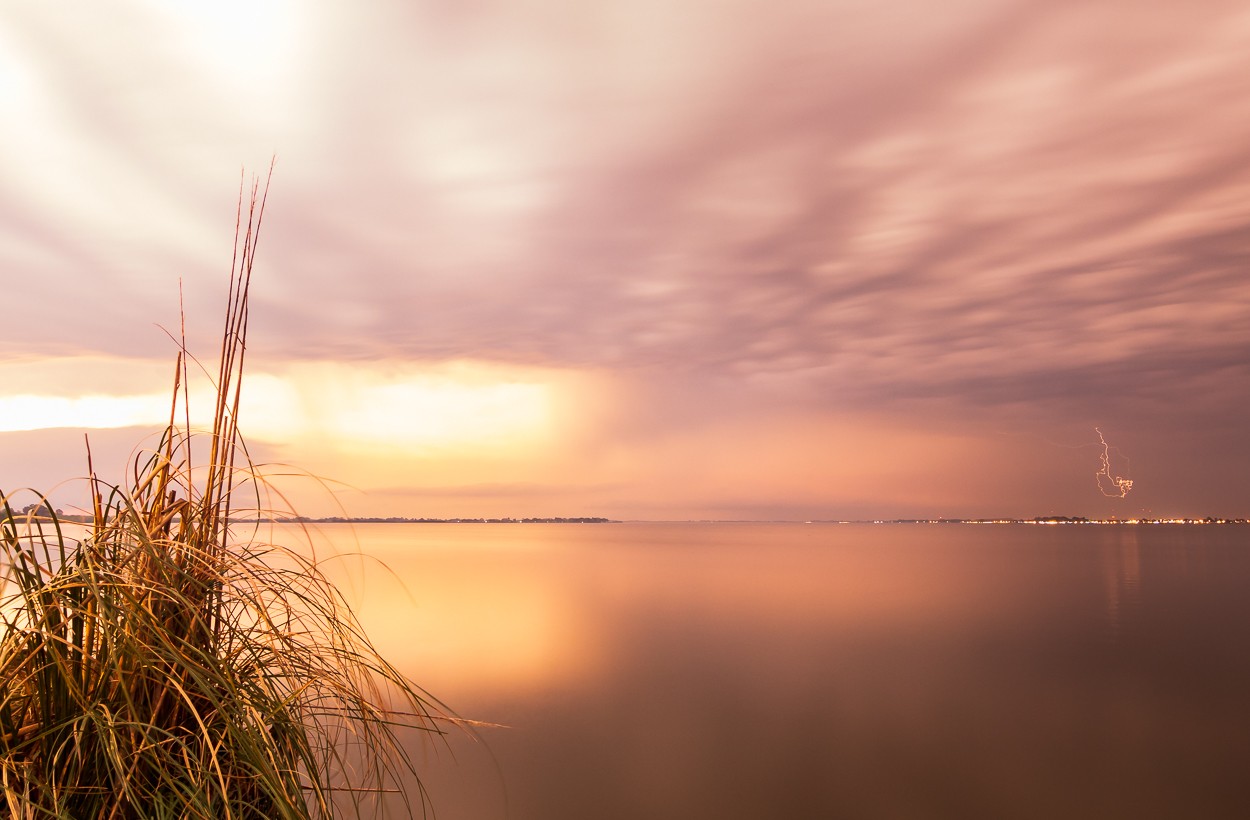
(158,662)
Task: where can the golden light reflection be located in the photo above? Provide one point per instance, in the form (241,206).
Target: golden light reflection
(463,609)
(486,633)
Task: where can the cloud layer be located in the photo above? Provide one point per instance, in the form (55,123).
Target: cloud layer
(1005,207)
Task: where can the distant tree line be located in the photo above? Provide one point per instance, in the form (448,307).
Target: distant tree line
(300,519)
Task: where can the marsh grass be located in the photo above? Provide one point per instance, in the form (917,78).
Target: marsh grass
(157,662)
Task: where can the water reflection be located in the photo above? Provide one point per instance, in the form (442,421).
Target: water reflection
(1122,574)
(746,671)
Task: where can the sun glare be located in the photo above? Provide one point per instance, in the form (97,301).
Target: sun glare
(452,407)
(34,412)
(429,414)
(444,408)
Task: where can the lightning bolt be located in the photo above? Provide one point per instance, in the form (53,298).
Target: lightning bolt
(1109,485)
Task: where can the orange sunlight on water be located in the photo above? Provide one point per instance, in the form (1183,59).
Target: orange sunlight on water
(693,671)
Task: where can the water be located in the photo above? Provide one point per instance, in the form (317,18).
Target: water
(692,671)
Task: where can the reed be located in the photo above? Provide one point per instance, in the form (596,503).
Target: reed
(159,662)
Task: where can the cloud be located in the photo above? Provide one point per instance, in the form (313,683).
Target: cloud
(1011,197)
(1031,208)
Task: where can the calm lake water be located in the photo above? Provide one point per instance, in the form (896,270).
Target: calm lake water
(688,671)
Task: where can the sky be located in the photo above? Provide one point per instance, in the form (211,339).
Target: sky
(687,259)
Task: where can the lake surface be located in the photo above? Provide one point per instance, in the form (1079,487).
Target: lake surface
(689,671)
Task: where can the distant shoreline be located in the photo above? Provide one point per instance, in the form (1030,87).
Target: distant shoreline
(1053,520)
(1041,520)
(301,519)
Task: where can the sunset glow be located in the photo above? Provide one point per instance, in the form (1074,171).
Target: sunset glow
(461,407)
(749,260)
(26,412)
(723,409)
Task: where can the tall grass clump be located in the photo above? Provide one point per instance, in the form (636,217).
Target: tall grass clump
(158,663)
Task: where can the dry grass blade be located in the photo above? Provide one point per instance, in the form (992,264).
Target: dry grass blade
(154,664)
